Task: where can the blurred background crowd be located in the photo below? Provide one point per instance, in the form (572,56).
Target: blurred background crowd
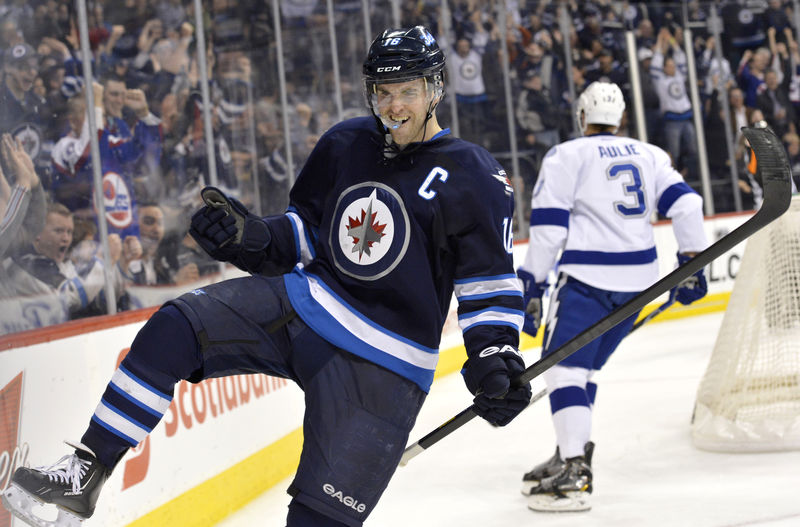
(237,94)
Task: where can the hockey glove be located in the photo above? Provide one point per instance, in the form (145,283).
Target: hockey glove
(693,288)
(488,376)
(532,293)
(226,230)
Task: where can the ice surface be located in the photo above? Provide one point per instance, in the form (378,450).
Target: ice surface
(646,471)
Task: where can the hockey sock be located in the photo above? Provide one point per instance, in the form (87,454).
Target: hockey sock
(572,419)
(302,516)
(164,351)
(591,392)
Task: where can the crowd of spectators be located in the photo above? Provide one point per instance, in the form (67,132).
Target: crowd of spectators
(760,62)
(149,112)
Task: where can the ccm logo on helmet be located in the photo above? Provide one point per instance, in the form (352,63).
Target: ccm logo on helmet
(346,500)
(387,68)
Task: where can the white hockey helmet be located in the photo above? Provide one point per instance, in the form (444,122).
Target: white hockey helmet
(600,103)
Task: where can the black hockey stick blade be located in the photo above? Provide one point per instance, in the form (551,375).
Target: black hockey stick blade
(773,168)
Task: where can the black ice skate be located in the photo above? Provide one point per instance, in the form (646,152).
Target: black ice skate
(72,484)
(549,468)
(567,491)
(543,470)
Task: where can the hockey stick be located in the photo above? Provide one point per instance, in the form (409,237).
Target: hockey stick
(535,398)
(657,311)
(650,316)
(773,167)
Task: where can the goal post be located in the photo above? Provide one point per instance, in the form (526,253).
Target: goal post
(749,398)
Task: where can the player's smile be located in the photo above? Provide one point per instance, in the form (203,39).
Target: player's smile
(402,107)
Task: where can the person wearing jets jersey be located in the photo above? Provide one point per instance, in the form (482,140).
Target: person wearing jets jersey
(349,290)
(592,204)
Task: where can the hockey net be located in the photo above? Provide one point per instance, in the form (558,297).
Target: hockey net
(749,397)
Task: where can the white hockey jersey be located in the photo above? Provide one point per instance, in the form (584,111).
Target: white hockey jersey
(594,200)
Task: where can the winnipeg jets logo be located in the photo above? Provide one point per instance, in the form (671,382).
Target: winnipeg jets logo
(365,231)
(370,231)
(30,137)
(468,70)
(676,89)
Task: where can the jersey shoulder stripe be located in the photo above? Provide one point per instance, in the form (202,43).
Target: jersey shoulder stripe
(671,195)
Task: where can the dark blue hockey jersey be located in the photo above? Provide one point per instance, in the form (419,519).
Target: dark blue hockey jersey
(382,244)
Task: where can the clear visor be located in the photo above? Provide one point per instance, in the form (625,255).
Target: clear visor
(383,96)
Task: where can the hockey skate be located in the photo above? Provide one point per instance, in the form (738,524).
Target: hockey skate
(567,491)
(543,470)
(72,484)
(549,468)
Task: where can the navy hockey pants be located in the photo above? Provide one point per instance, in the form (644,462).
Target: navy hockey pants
(358,415)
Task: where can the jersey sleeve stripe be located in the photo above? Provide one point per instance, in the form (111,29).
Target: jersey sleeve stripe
(305,251)
(468,288)
(484,296)
(671,195)
(607,258)
(491,316)
(77,286)
(12,208)
(550,216)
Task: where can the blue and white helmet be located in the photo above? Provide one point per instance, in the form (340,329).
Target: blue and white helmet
(600,103)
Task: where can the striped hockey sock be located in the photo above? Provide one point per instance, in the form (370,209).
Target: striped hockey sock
(130,408)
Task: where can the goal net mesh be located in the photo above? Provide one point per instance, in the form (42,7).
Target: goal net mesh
(749,397)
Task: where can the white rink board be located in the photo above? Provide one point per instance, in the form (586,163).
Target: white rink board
(62,381)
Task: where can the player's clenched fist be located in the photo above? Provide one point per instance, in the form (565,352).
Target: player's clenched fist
(226,230)
(488,376)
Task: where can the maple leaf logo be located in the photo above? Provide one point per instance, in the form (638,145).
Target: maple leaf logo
(365,231)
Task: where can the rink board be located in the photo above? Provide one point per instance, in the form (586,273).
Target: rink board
(223,441)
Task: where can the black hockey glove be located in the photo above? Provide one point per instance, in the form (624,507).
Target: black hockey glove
(532,293)
(226,230)
(488,376)
(693,288)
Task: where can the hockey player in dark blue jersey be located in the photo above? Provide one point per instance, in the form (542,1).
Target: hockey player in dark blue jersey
(389,217)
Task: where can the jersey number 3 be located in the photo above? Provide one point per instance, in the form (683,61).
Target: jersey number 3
(633,187)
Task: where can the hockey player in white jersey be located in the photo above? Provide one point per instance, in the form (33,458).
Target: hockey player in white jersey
(592,204)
